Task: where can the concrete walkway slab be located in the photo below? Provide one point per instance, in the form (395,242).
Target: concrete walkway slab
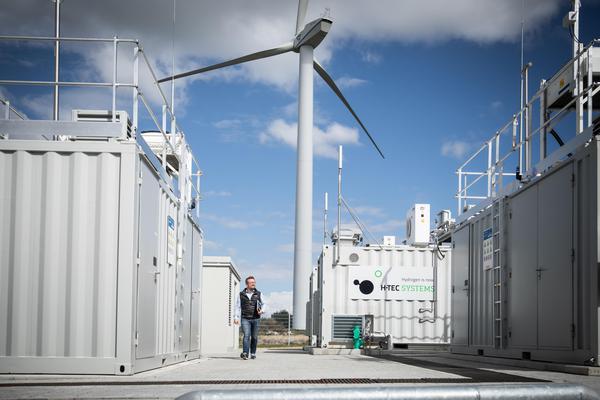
(278,368)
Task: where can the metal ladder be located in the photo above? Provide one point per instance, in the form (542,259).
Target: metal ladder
(498,274)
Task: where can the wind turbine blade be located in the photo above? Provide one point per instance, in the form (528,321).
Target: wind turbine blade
(302,6)
(250,57)
(321,71)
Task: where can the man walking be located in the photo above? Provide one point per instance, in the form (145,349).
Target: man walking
(249,307)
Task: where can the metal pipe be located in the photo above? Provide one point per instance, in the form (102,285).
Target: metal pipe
(459,193)
(52,83)
(55,109)
(533,391)
(304,188)
(542,129)
(6,109)
(339,203)
(590,99)
(136,58)
(527,120)
(325,209)
(63,39)
(489,170)
(114,81)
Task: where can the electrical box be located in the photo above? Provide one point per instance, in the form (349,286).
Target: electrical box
(418,225)
(389,240)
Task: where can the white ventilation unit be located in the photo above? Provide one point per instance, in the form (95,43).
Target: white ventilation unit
(418,225)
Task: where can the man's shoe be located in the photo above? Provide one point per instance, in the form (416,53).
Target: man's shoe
(244,356)
(253,356)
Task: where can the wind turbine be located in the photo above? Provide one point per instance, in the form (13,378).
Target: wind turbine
(307,38)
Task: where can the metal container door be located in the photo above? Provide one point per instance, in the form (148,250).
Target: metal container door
(460,287)
(196,284)
(186,284)
(148,267)
(555,266)
(522,263)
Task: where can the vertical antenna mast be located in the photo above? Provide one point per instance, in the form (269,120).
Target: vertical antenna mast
(521,105)
(339,203)
(56,57)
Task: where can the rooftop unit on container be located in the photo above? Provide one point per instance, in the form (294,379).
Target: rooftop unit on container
(100,244)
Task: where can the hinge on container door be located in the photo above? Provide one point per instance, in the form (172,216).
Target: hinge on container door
(572,180)
(452,334)
(136,341)
(452,288)
(138,261)
(573,330)
(572,255)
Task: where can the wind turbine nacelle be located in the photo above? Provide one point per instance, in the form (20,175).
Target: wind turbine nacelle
(313,33)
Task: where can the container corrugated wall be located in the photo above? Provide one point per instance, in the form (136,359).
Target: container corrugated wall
(481,285)
(85,286)
(550,256)
(59,217)
(398,318)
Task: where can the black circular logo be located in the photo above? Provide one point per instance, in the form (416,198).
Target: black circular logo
(365,287)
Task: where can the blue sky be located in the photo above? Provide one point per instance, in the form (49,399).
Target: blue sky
(430,93)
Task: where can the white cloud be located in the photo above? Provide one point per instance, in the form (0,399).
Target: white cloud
(325,141)
(230,223)
(278,301)
(456,148)
(495,105)
(388,227)
(216,193)
(349,82)
(371,57)
(211,245)
(227,123)
(207,32)
(369,211)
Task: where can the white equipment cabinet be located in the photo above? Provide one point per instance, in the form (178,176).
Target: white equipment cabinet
(220,289)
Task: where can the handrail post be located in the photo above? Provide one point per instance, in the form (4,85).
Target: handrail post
(459,192)
(590,93)
(114,80)
(136,51)
(7,109)
(489,169)
(56,113)
(543,125)
(197,193)
(164,128)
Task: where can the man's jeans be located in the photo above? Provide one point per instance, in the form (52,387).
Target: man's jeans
(250,329)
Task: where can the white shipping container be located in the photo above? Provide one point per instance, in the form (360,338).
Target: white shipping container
(89,282)
(220,291)
(405,288)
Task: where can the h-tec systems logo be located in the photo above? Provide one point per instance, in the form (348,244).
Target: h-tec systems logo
(366,286)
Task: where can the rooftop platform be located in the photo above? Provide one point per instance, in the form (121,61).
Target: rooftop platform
(285,368)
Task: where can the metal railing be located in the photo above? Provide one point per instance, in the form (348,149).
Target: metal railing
(9,109)
(160,123)
(471,178)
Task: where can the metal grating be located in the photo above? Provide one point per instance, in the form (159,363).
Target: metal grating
(491,377)
(343,326)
